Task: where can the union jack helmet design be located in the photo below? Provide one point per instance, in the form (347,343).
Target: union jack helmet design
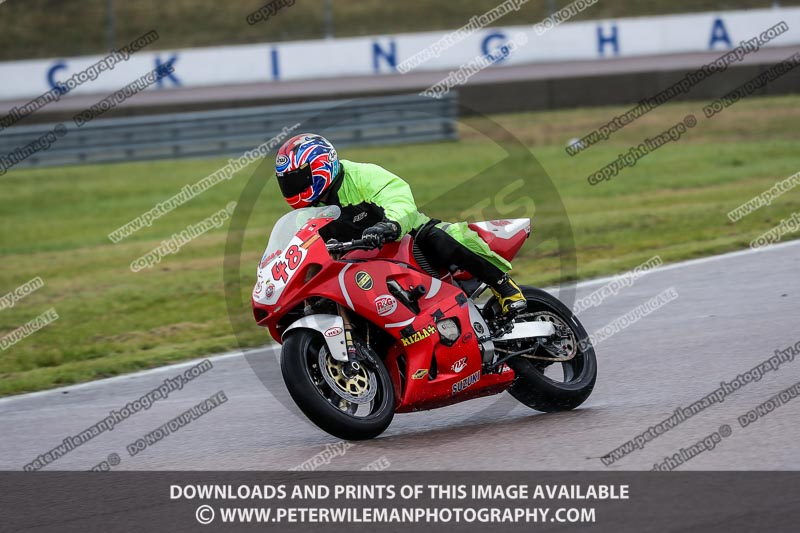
(306,166)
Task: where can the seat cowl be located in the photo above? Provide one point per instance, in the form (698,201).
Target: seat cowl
(504,237)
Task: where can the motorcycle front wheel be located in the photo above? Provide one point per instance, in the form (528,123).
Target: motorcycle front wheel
(357,407)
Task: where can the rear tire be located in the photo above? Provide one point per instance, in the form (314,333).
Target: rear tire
(315,397)
(531,386)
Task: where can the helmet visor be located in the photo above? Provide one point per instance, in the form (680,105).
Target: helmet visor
(294,182)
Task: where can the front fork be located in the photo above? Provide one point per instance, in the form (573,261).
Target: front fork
(352,367)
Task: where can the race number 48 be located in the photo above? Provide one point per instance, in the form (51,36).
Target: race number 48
(282,269)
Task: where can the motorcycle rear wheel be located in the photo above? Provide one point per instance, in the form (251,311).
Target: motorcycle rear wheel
(324,401)
(532,386)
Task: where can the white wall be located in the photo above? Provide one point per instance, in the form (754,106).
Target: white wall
(379,54)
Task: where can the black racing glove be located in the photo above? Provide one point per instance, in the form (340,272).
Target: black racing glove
(381,232)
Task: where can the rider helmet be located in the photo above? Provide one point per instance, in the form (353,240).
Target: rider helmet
(306,166)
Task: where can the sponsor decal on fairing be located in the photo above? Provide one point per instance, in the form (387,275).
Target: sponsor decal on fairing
(385,304)
(467,382)
(332,332)
(364,280)
(459,365)
(417,336)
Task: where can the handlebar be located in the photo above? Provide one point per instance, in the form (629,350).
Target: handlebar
(357,244)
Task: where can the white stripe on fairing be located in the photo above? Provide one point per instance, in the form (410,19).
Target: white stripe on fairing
(344,289)
(401,324)
(436,284)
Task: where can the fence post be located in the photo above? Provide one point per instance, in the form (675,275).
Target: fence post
(110,37)
(328,14)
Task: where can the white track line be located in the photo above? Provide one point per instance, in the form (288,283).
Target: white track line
(692,262)
(239,353)
(171,369)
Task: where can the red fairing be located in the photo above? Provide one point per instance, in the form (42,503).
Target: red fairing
(427,369)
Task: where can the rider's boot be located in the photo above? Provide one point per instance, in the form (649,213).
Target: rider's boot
(509,295)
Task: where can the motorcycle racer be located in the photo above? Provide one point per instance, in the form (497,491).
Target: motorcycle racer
(379,207)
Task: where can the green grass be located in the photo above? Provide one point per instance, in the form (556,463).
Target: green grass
(54,223)
(78,27)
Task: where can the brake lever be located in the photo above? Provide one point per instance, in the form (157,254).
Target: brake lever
(364,244)
(334,246)
(358,244)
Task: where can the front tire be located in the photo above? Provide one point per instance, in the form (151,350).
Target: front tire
(329,405)
(532,386)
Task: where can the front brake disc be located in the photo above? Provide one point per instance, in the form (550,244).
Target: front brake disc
(359,389)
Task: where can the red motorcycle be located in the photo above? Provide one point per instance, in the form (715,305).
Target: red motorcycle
(369,333)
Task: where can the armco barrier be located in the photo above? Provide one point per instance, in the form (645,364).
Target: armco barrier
(365,121)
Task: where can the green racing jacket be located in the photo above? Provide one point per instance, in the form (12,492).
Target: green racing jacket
(368,194)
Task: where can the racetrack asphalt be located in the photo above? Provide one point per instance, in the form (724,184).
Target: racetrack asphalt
(732,312)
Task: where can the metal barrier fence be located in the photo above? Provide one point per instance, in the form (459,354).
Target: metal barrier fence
(363,121)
